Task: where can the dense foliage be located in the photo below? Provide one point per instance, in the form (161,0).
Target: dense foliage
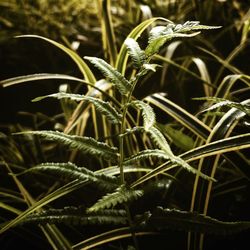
(138,129)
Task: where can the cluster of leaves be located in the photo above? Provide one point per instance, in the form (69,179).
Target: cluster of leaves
(108,139)
(114,137)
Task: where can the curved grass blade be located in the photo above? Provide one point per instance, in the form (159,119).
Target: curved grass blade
(110,236)
(83,67)
(108,36)
(204,75)
(52,233)
(60,192)
(180,115)
(227,83)
(230,144)
(221,102)
(169,61)
(64,190)
(49,76)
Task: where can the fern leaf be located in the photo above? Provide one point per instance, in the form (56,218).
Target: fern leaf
(121,195)
(145,154)
(85,144)
(159,35)
(193,25)
(160,140)
(193,222)
(72,171)
(180,162)
(103,107)
(155,44)
(221,102)
(115,77)
(77,216)
(137,55)
(147,113)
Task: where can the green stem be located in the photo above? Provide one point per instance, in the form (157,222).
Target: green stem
(123,126)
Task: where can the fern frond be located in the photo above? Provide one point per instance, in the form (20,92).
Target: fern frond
(121,195)
(115,77)
(193,25)
(145,154)
(103,107)
(193,222)
(71,171)
(137,54)
(221,102)
(84,144)
(180,162)
(159,35)
(148,113)
(160,140)
(77,216)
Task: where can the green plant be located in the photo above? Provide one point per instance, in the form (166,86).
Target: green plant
(124,139)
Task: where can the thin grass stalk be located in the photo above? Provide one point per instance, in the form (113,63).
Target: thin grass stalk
(53,235)
(108,36)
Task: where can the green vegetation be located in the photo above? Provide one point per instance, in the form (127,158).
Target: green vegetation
(146,140)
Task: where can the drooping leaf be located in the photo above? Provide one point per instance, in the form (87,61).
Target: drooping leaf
(112,74)
(71,171)
(147,113)
(160,140)
(193,222)
(136,53)
(221,102)
(103,107)
(121,195)
(85,144)
(182,163)
(146,154)
(77,216)
(214,148)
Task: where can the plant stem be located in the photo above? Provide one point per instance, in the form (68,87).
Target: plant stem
(123,125)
